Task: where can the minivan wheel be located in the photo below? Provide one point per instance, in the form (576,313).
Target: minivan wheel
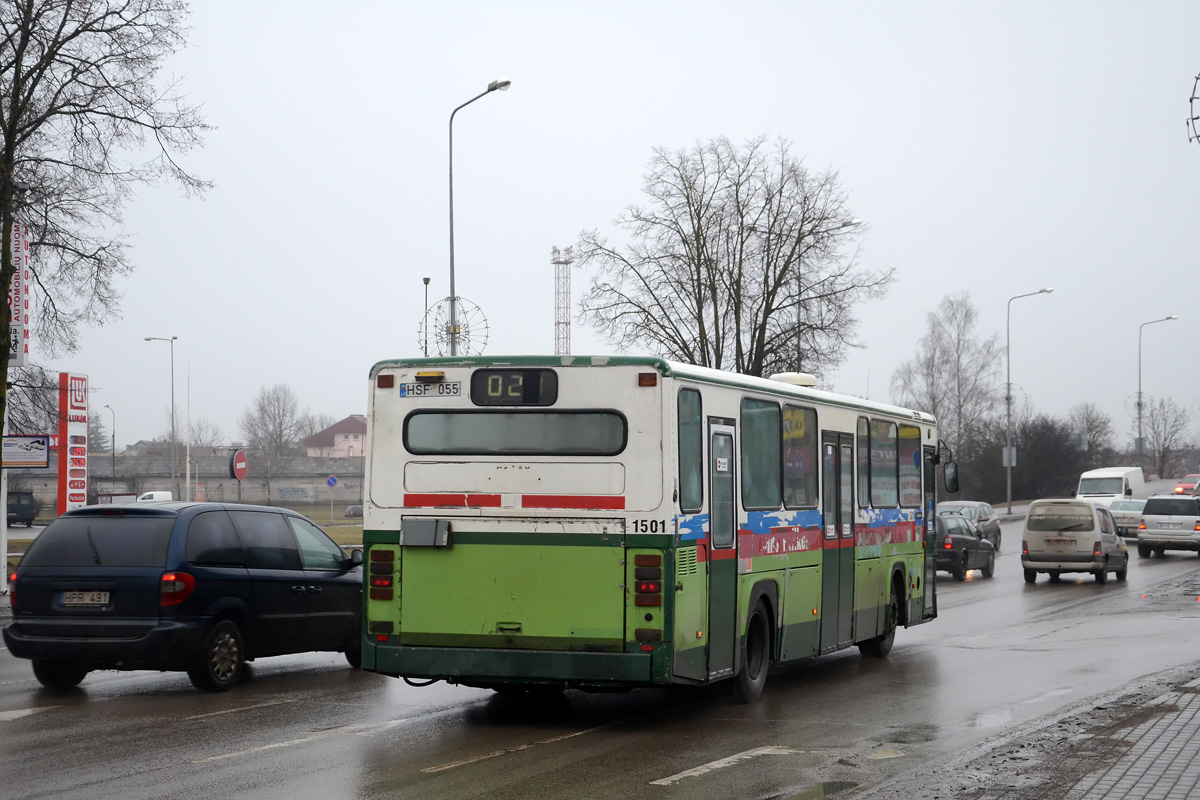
(1123,572)
(1030,576)
(1102,575)
(58,674)
(219,663)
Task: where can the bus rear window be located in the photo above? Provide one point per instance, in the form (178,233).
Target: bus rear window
(117,541)
(518,433)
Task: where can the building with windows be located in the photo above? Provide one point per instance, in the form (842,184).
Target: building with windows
(345,439)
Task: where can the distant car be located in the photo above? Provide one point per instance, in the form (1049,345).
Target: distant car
(354,511)
(1169,522)
(1063,536)
(962,547)
(982,514)
(195,587)
(1128,515)
(1187,484)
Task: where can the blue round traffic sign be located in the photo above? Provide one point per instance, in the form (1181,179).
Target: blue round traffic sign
(332,481)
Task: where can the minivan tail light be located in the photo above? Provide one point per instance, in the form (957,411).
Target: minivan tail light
(1096,549)
(174,588)
(1024,547)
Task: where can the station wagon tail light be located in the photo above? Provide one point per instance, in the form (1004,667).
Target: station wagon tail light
(12,590)
(174,588)
(949,545)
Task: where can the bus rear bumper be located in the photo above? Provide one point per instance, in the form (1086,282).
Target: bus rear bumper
(475,666)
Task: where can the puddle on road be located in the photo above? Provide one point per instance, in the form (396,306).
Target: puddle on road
(819,792)
(993,720)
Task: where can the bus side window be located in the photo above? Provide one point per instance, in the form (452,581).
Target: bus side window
(691,451)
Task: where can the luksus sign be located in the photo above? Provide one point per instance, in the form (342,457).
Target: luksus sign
(72,441)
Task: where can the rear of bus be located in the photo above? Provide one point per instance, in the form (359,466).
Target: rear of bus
(495,523)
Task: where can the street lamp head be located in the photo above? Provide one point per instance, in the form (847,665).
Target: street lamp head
(149,338)
(851,223)
(425,280)
(1173,316)
(501,84)
(106,405)
(1048,290)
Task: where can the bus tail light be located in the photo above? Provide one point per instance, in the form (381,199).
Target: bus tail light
(647,379)
(385,381)
(647,599)
(174,588)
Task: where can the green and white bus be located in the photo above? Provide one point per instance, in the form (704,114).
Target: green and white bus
(613,522)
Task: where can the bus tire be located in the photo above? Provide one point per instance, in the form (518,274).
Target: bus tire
(881,645)
(756,654)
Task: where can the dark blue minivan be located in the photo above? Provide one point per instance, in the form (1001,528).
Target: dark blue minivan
(200,587)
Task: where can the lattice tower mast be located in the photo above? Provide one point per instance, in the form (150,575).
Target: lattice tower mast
(562,261)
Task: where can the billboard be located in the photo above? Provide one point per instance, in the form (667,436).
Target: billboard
(27,451)
(72,441)
(20,299)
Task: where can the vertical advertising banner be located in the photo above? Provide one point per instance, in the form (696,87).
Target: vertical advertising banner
(20,299)
(72,441)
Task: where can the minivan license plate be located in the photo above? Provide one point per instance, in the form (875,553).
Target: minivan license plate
(1060,541)
(83,598)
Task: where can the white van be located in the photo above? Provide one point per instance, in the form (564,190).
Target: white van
(154,497)
(1102,486)
(1071,536)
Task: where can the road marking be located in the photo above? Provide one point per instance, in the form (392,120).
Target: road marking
(726,762)
(881,754)
(236,710)
(276,745)
(518,748)
(9,716)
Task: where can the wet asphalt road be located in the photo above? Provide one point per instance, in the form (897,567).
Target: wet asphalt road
(1001,654)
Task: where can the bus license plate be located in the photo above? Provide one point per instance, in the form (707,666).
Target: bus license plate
(83,598)
(451,389)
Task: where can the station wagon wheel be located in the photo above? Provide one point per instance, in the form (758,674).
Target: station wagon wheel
(1102,575)
(58,674)
(756,654)
(219,663)
(960,573)
(1124,570)
(989,569)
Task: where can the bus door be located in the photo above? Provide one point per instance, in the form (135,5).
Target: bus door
(837,541)
(722,540)
(929,504)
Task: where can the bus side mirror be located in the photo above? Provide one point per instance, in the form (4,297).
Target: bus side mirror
(950,476)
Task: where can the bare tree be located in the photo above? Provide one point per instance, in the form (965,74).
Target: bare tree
(1166,429)
(1088,421)
(312,424)
(206,433)
(271,425)
(955,374)
(84,117)
(741,259)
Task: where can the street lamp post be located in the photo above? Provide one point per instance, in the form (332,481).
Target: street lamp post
(1008,449)
(1139,445)
(114,445)
(501,85)
(426,280)
(171,341)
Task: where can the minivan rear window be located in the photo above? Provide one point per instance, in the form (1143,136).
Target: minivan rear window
(1172,506)
(117,541)
(1060,518)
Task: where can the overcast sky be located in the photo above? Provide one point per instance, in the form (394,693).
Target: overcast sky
(994,148)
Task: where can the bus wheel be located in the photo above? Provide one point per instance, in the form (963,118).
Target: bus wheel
(881,645)
(756,655)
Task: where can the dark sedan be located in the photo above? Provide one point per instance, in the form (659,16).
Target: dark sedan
(961,547)
(195,587)
(982,514)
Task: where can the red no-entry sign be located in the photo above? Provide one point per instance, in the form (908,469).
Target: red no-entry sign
(238,466)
